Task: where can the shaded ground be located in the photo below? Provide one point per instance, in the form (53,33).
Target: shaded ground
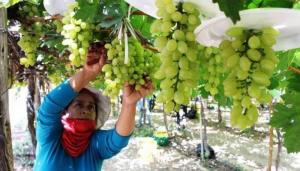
(234,151)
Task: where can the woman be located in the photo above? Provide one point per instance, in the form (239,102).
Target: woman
(69,119)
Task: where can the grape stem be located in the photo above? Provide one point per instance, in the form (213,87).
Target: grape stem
(45,19)
(293,69)
(148,46)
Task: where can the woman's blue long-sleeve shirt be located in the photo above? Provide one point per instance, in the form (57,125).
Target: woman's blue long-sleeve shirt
(50,154)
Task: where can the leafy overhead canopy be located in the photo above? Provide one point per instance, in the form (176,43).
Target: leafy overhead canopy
(231,8)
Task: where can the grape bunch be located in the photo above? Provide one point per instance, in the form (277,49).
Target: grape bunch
(250,61)
(213,69)
(141,66)
(77,34)
(29,35)
(178,52)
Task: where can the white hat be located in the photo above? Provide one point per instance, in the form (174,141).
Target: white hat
(103,106)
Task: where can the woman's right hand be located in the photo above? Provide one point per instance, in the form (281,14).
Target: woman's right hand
(96,59)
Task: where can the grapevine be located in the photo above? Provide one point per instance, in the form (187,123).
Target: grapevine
(78,35)
(140,67)
(178,52)
(29,35)
(250,61)
(213,69)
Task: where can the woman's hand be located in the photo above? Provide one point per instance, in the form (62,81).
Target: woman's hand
(132,96)
(96,59)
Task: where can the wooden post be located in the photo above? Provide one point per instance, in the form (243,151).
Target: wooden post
(31,86)
(270,161)
(6,153)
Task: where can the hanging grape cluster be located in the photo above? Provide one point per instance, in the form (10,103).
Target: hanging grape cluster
(29,35)
(212,63)
(178,52)
(250,60)
(141,66)
(78,35)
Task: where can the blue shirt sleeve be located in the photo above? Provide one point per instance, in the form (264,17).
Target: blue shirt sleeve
(49,124)
(107,143)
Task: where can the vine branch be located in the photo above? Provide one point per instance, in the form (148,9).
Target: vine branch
(293,69)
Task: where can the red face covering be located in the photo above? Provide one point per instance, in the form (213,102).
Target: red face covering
(76,134)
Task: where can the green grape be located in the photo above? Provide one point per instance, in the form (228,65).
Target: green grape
(171,45)
(188,7)
(227,52)
(254,54)
(155,26)
(179,97)
(190,36)
(254,42)
(245,64)
(270,31)
(232,61)
(230,87)
(261,78)
(193,20)
(242,75)
(235,113)
(169,107)
(235,32)
(267,65)
(182,47)
(243,122)
(178,35)
(252,114)
(166,26)
(254,91)
(170,8)
(236,44)
(268,39)
(168,94)
(265,97)
(184,63)
(166,84)
(176,16)
(191,54)
(225,44)
(246,102)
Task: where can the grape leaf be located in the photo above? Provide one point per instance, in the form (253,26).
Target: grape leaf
(87,10)
(276,3)
(32,1)
(231,8)
(294,83)
(285,59)
(114,12)
(286,115)
(143,24)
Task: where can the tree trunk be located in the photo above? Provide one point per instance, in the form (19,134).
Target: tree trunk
(31,108)
(203,123)
(219,114)
(279,138)
(270,142)
(6,152)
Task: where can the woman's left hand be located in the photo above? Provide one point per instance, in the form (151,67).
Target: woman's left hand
(132,96)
